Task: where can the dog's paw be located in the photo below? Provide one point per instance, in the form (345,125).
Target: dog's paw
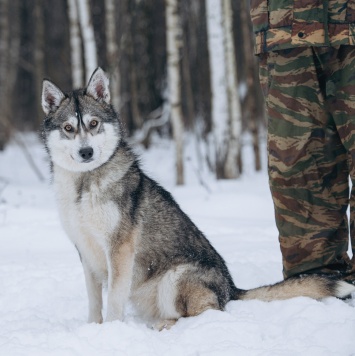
(95,319)
(164,324)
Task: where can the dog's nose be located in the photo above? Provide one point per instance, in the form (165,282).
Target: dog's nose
(86,153)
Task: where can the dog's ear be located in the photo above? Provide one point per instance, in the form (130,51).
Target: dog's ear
(52,96)
(98,86)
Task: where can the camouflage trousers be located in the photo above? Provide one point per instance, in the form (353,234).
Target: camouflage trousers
(310,100)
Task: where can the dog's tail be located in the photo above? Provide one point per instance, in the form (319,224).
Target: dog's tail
(313,286)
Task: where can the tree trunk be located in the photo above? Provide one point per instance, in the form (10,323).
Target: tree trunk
(39,56)
(233,154)
(4,48)
(112,52)
(136,115)
(4,62)
(12,68)
(189,97)
(89,43)
(219,102)
(252,103)
(75,45)
(174,81)
(226,111)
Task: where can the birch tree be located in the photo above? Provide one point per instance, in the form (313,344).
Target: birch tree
(75,45)
(87,32)
(112,52)
(226,112)
(231,169)
(173,25)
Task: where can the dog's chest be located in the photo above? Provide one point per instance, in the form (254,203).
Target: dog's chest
(89,217)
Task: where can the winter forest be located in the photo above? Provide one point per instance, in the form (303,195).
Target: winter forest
(184,80)
(177,68)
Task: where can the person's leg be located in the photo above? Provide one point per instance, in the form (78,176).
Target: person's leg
(343,106)
(308,170)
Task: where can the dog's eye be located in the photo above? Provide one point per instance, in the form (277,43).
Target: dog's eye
(93,123)
(68,128)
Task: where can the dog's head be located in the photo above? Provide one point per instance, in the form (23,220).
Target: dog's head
(81,129)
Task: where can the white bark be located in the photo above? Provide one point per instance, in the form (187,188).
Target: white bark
(75,45)
(234,110)
(89,43)
(112,52)
(174,81)
(219,100)
(226,117)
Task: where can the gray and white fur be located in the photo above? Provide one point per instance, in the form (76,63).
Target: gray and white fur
(130,233)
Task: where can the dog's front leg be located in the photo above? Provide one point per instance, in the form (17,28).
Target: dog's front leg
(120,271)
(94,289)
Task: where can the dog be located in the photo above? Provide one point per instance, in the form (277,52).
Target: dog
(130,233)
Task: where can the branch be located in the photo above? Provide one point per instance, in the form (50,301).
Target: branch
(28,156)
(157,118)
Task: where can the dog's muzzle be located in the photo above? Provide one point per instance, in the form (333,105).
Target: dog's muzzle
(86,154)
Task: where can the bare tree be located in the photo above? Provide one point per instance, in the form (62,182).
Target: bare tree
(226,114)
(218,89)
(233,154)
(75,45)
(174,43)
(87,32)
(38,55)
(253,101)
(4,61)
(112,52)
(129,66)
(196,89)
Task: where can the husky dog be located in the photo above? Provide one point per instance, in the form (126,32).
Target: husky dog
(130,233)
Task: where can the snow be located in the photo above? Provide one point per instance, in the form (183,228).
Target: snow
(43,302)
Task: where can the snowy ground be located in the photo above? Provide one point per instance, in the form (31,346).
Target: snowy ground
(43,302)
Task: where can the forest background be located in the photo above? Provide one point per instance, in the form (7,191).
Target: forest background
(177,68)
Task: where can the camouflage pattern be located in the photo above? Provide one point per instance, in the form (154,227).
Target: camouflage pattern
(284,24)
(310,98)
(307,61)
